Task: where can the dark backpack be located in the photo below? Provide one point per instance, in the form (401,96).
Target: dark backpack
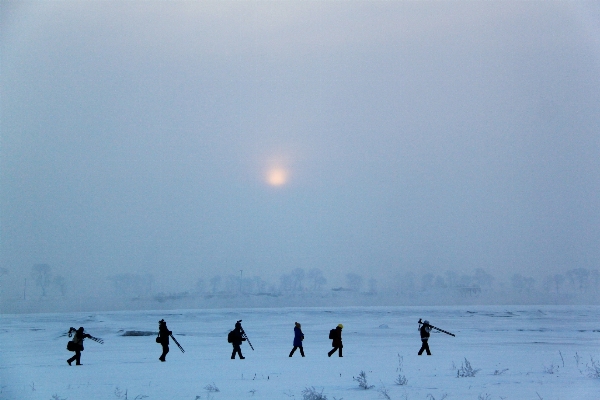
(230,337)
(332,334)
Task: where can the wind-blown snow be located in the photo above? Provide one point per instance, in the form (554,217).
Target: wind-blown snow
(522,353)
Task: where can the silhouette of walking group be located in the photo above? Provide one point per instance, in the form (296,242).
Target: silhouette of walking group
(236,337)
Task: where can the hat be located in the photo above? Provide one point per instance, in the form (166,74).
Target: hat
(340,326)
(297,324)
(426,322)
(80,329)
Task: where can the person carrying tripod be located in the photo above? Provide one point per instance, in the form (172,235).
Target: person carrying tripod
(76,344)
(236,337)
(424,330)
(163,339)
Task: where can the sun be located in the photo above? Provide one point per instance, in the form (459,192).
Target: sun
(277,176)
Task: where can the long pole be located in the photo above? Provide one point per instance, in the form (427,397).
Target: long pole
(436,328)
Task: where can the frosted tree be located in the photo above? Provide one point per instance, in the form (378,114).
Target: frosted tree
(354,282)
(521,283)
(316,279)
(42,276)
(482,278)
(200,286)
(372,286)
(132,285)
(215,284)
(61,284)
(579,278)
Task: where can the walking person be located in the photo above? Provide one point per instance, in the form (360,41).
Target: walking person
(236,337)
(76,344)
(336,340)
(424,330)
(163,339)
(298,338)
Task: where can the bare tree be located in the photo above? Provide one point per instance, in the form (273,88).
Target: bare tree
(61,283)
(521,283)
(200,286)
(132,285)
(482,278)
(298,279)
(215,284)
(354,282)
(372,286)
(427,281)
(42,276)
(316,279)
(579,277)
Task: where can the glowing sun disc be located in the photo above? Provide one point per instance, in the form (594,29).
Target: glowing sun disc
(277,176)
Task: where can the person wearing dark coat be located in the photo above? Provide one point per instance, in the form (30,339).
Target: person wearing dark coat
(237,338)
(424,331)
(336,340)
(78,338)
(298,338)
(163,339)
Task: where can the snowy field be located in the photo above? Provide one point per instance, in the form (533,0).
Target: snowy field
(522,353)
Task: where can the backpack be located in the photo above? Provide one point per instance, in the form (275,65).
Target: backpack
(332,334)
(230,337)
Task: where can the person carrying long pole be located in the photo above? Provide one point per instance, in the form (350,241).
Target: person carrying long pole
(425,329)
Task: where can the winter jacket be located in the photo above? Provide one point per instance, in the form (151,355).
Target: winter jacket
(78,338)
(424,330)
(237,338)
(337,337)
(163,334)
(298,336)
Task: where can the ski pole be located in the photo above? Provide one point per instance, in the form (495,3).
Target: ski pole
(436,328)
(177,343)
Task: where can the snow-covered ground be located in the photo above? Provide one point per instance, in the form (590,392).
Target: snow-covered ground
(522,353)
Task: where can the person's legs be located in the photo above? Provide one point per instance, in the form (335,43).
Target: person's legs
(164,353)
(78,357)
(301,351)
(424,346)
(332,351)
(237,349)
(294,349)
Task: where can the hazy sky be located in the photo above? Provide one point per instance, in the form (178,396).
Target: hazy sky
(188,139)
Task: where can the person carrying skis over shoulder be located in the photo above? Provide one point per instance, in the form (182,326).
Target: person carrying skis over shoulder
(298,338)
(336,340)
(424,330)
(163,339)
(236,337)
(76,344)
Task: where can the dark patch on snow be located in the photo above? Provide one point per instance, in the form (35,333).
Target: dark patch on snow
(139,333)
(384,326)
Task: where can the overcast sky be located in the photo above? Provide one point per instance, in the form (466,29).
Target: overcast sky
(189,139)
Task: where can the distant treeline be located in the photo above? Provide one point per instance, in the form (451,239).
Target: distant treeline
(301,287)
